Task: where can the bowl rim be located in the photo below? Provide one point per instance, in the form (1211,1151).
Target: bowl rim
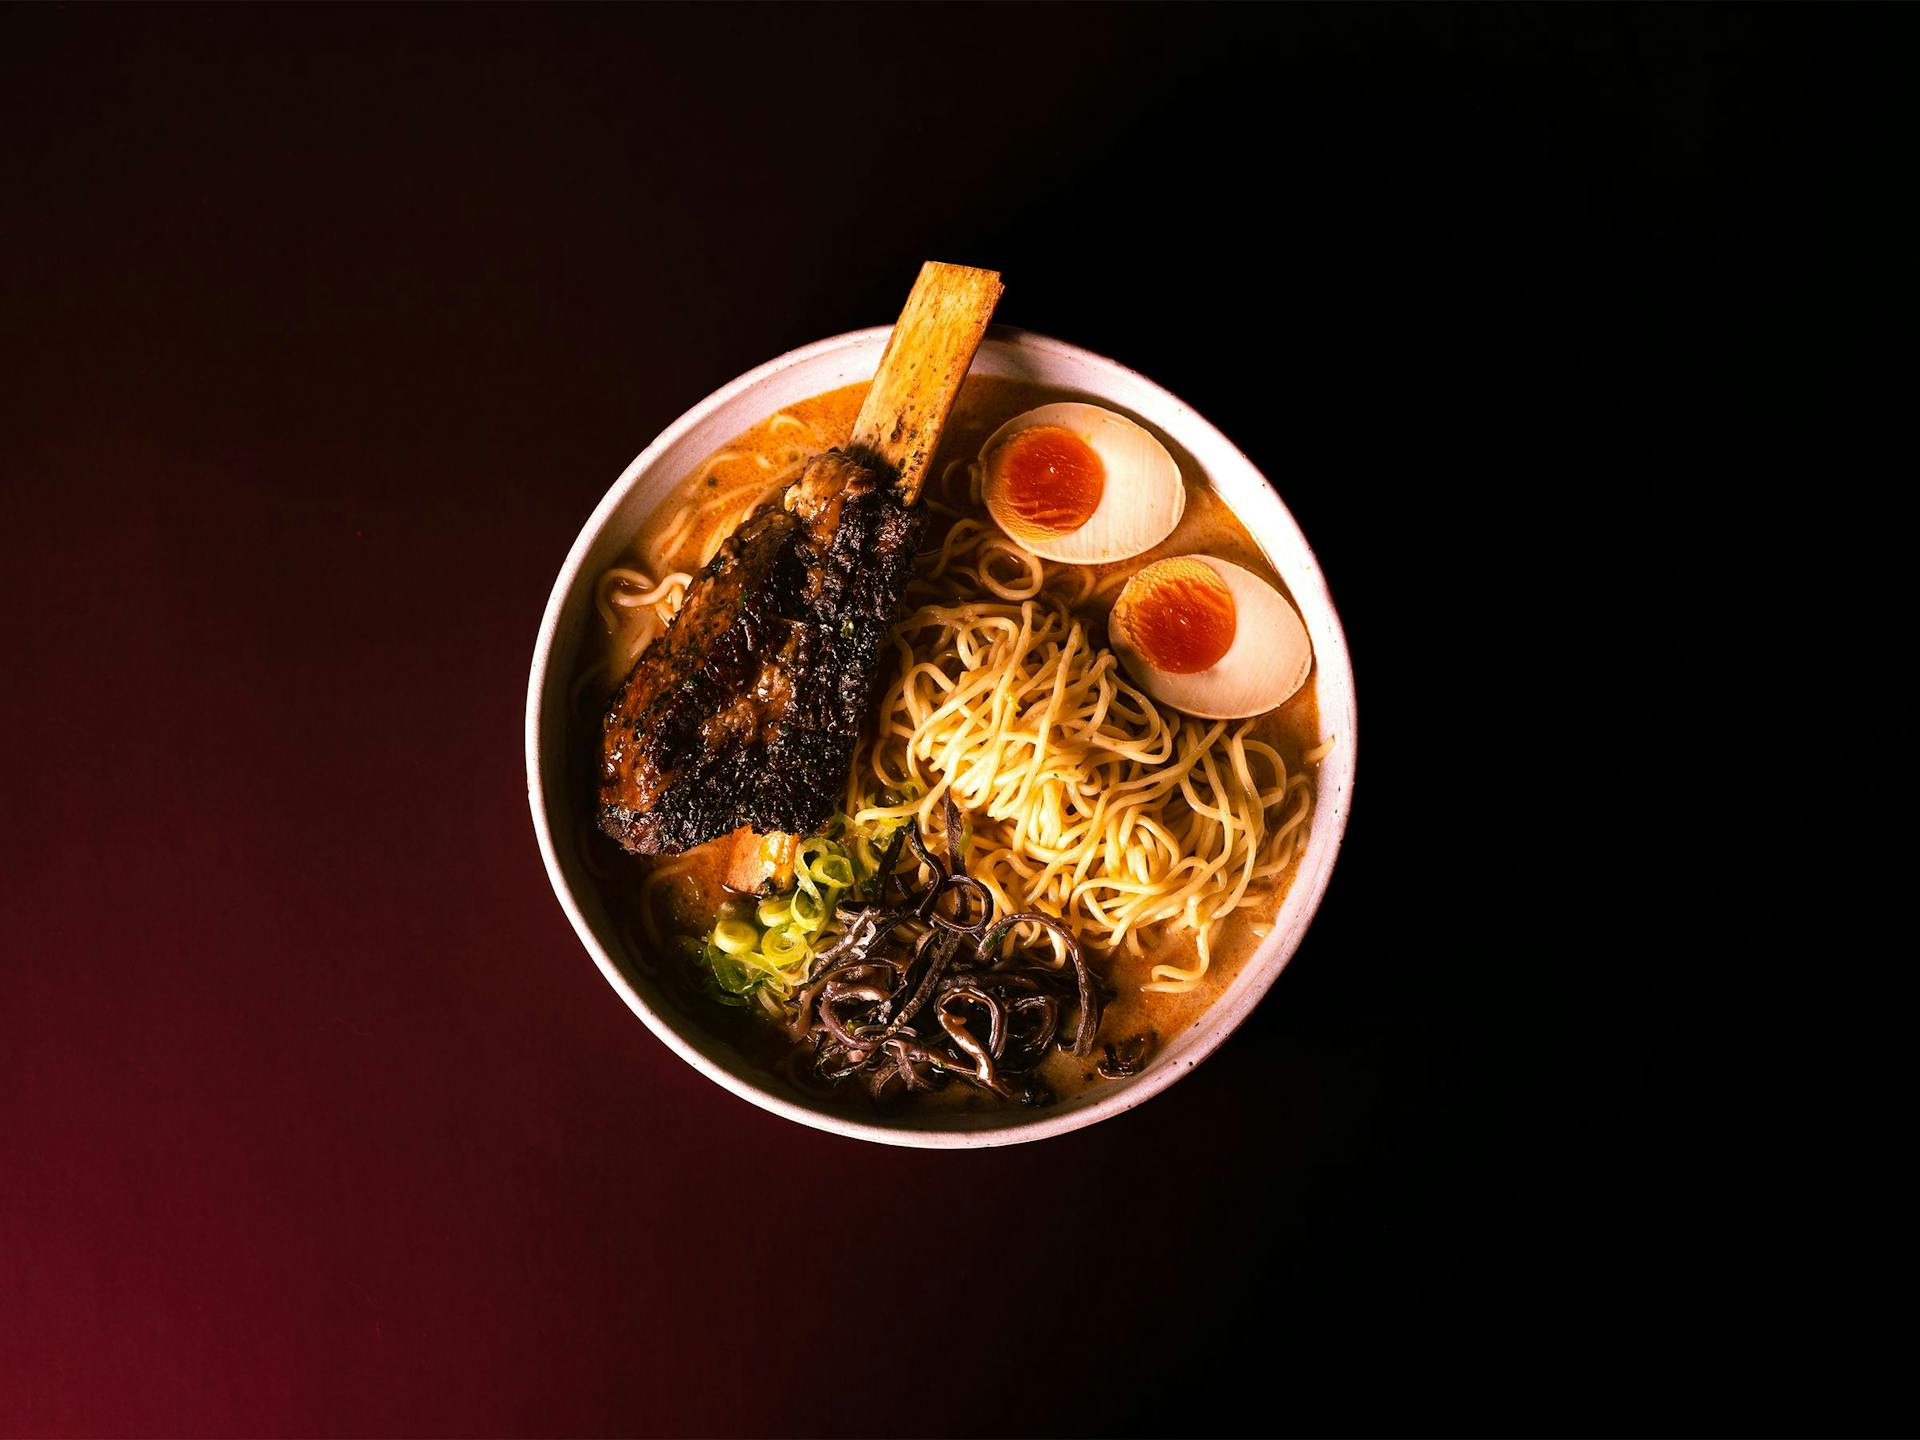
(1219,1018)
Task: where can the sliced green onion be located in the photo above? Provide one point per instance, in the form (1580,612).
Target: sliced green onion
(767,954)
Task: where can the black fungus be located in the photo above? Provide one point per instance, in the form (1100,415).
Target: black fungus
(929,988)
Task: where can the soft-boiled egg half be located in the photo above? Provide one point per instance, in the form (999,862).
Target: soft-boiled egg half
(1210,638)
(1080,484)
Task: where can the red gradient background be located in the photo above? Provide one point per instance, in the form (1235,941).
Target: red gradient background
(324,332)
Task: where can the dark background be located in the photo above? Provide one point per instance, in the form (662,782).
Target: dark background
(1567,333)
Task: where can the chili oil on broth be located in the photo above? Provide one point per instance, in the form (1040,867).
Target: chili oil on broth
(652,897)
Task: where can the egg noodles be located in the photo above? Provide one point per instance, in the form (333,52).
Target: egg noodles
(1086,801)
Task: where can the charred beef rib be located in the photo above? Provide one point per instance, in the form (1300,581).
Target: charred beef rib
(747,711)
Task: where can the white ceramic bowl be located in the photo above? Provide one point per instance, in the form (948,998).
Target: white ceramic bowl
(570,621)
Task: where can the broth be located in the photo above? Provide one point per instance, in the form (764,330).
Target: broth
(733,482)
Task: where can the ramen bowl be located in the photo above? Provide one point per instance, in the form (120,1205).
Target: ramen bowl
(562,802)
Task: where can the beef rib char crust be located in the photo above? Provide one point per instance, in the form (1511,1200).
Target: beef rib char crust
(748,709)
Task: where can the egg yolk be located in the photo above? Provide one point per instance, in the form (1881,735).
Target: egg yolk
(1179,616)
(1050,480)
